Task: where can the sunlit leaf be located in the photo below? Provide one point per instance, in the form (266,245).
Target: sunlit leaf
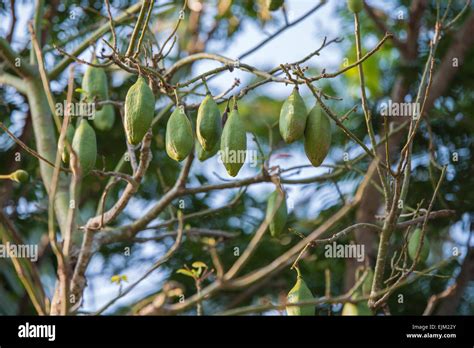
(185,272)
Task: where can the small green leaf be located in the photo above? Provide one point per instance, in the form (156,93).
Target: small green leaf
(115,279)
(199,264)
(185,272)
(80,90)
(209,241)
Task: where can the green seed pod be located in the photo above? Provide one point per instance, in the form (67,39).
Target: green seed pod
(202,154)
(19,176)
(104,118)
(361,308)
(208,124)
(293,117)
(139,111)
(299,293)
(94,83)
(274,5)
(69,136)
(355,6)
(233,143)
(317,136)
(413,244)
(279,213)
(350,309)
(179,135)
(84,145)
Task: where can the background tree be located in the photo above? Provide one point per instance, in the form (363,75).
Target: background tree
(179,237)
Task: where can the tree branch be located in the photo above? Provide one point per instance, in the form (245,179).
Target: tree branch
(103,29)
(21,67)
(13,81)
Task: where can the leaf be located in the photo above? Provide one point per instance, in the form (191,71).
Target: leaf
(115,279)
(199,264)
(209,241)
(185,272)
(80,90)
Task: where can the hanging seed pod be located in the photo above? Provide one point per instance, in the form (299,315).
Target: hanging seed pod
(202,154)
(233,143)
(139,111)
(350,309)
(274,5)
(277,213)
(104,118)
(69,136)
(208,124)
(293,117)
(413,244)
(317,136)
(300,293)
(94,83)
(84,145)
(19,175)
(360,309)
(355,6)
(179,135)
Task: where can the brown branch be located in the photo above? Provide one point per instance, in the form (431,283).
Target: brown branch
(189,232)
(13,21)
(145,158)
(28,149)
(155,266)
(433,215)
(10,56)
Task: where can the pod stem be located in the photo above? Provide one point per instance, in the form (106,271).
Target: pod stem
(208,91)
(5,176)
(298,272)
(235,107)
(176,96)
